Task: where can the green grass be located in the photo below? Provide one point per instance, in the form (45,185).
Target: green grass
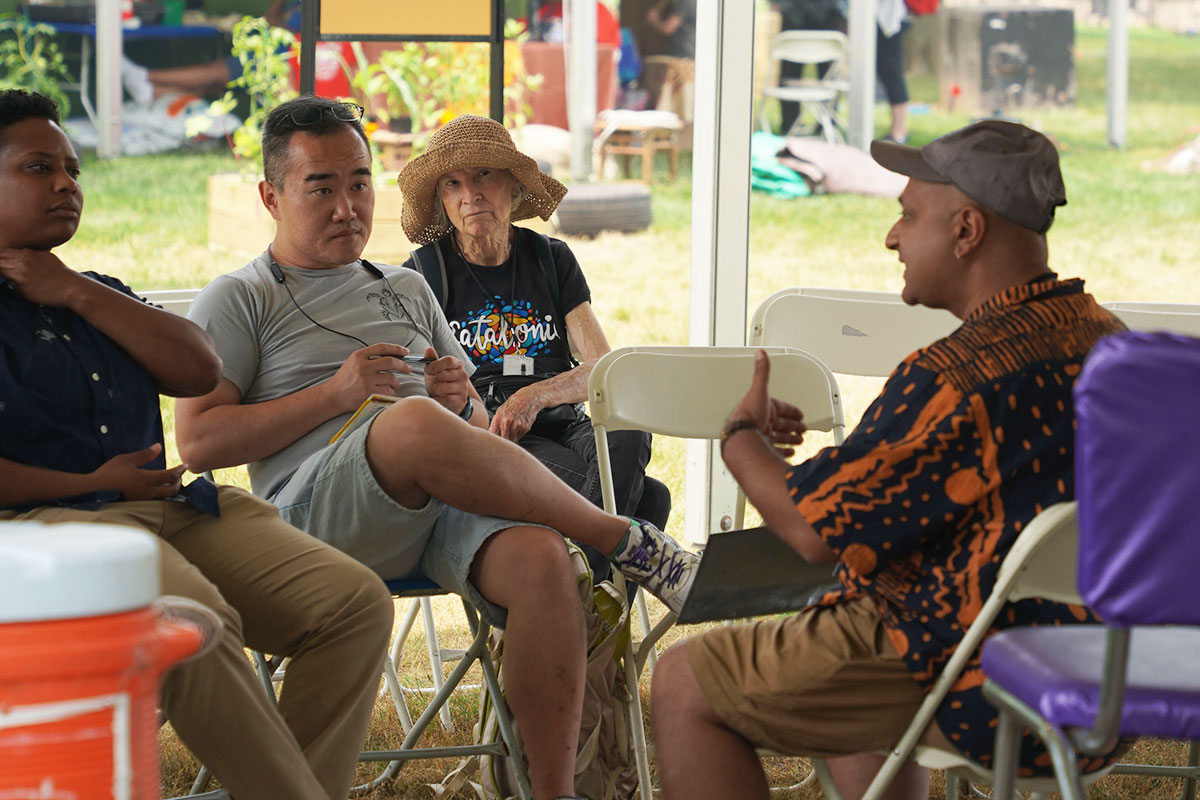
(1129,230)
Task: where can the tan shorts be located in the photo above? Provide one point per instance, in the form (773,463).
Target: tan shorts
(825,682)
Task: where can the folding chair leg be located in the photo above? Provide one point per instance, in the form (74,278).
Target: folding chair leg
(825,778)
(644,616)
(477,651)
(201,782)
(1189,783)
(1005,760)
(438,658)
(265,674)
(410,617)
(503,721)
(636,726)
(396,691)
(435,657)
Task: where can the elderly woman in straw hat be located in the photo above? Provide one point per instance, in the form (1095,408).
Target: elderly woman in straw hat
(519,304)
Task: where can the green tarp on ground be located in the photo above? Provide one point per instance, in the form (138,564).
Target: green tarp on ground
(767,174)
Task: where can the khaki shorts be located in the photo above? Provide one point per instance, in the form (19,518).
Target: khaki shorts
(823,683)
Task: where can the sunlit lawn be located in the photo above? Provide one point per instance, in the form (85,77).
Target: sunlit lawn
(1130,231)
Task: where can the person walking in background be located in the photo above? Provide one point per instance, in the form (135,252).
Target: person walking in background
(676,19)
(890,22)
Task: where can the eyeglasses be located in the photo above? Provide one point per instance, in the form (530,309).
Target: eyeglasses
(345,112)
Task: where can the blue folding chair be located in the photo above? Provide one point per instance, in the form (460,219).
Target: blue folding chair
(476,652)
(1081,688)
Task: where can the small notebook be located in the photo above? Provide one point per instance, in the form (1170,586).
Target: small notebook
(751,572)
(364,413)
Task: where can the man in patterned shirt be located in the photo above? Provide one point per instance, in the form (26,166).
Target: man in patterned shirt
(970,438)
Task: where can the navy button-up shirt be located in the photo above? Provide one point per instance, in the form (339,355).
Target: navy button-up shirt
(72,399)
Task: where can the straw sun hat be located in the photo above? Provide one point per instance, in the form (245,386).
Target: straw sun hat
(464,142)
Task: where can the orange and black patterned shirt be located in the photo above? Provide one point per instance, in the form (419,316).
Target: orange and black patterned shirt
(970,438)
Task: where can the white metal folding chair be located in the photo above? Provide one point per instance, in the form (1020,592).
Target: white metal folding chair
(476,653)
(1171,317)
(853,332)
(816,95)
(1040,564)
(688,392)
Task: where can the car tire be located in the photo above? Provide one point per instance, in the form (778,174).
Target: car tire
(590,208)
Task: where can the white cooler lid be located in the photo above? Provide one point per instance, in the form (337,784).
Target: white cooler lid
(74,570)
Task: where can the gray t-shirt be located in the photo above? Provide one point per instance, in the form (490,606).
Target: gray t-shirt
(270,349)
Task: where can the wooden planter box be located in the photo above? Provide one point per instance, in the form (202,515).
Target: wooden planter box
(239,224)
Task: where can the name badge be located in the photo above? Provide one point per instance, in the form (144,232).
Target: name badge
(518,365)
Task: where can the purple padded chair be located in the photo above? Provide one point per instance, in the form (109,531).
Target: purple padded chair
(1137,458)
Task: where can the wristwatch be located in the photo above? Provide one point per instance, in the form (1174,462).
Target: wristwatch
(733,426)
(467,411)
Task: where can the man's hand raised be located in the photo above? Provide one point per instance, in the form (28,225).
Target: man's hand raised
(369,370)
(124,473)
(780,422)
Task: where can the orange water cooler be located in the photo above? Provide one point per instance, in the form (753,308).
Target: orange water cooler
(81,654)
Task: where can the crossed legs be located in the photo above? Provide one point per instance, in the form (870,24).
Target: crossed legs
(418,450)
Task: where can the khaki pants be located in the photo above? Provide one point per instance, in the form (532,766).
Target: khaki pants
(279,590)
(826,682)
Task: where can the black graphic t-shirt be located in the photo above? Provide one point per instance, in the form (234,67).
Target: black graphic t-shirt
(494,313)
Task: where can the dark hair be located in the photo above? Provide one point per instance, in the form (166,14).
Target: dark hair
(319,116)
(18,105)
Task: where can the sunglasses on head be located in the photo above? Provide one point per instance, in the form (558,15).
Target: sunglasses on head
(345,112)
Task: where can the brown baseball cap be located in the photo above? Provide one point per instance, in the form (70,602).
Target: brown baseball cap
(1003,166)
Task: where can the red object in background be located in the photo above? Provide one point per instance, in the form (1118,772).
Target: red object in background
(921,7)
(331,79)
(608,30)
(549,101)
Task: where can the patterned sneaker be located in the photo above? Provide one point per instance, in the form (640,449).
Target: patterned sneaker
(657,563)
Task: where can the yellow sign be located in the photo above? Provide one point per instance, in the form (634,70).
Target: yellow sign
(414,18)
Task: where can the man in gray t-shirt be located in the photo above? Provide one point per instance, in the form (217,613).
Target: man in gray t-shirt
(308,331)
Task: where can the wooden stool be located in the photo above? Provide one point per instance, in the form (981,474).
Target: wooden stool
(640,139)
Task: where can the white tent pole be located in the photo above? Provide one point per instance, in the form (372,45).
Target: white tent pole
(720,227)
(108,78)
(862,72)
(1118,70)
(580,21)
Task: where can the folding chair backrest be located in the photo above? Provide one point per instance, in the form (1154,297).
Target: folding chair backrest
(689,391)
(1172,317)
(854,333)
(811,47)
(174,300)
(1042,560)
(1138,478)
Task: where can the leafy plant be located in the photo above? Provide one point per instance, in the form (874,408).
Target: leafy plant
(264,51)
(434,82)
(30,60)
